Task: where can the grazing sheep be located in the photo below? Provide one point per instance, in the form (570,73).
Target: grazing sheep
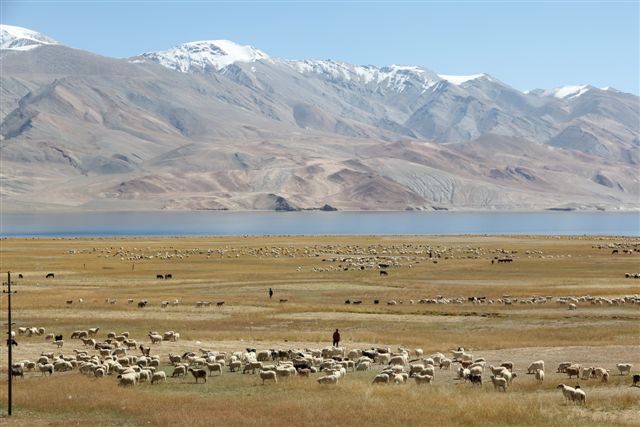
(329,379)
(363,366)
(304,373)
(540,376)
(268,376)
(155,338)
(381,379)
(252,366)
(158,376)
(605,377)
(624,368)
(499,383)
(497,370)
(567,392)
(598,372)
(562,367)
(44,368)
(128,379)
(235,365)
(538,364)
(145,375)
(415,369)
(579,396)
(263,356)
(573,370)
(423,379)
(214,367)
(588,373)
(445,363)
(198,373)
(475,370)
(508,365)
(179,370)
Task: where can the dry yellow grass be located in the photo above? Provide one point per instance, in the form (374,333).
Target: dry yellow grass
(239,271)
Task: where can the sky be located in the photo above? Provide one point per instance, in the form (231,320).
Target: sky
(533,44)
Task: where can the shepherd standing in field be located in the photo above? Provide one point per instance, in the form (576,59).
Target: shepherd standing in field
(336,338)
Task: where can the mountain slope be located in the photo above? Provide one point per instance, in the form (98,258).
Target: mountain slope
(215,125)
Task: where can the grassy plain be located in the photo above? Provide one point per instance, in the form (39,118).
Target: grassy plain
(309,273)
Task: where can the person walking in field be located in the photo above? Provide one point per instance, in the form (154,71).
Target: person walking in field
(270,293)
(336,338)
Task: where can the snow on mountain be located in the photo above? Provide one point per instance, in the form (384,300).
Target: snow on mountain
(458,80)
(564,92)
(206,54)
(18,38)
(394,77)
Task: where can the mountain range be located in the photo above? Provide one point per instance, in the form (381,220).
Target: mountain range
(216,125)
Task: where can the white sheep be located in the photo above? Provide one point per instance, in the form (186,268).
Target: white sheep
(128,379)
(415,369)
(567,392)
(579,396)
(497,370)
(445,363)
(179,370)
(423,379)
(214,367)
(44,368)
(158,376)
(329,379)
(363,366)
(587,373)
(144,375)
(268,376)
(381,379)
(252,366)
(598,372)
(624,368)
(155,338)
(499,383)
(399,378)
(538,364)
(539,376)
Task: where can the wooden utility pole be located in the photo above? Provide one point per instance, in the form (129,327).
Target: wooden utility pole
(9,342)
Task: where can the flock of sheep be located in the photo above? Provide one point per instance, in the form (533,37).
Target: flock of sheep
(132,363)
(343,257)
(571,301)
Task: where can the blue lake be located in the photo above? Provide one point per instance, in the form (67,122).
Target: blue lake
(222,223)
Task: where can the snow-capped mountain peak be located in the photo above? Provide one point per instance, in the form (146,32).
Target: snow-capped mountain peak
(459,80)
(18,38)
(569,91)
(393,77)
(205,54)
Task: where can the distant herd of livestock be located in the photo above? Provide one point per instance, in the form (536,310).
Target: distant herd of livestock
(113,357)
(572,302)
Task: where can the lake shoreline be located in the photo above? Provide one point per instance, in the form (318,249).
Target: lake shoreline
(388,223)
